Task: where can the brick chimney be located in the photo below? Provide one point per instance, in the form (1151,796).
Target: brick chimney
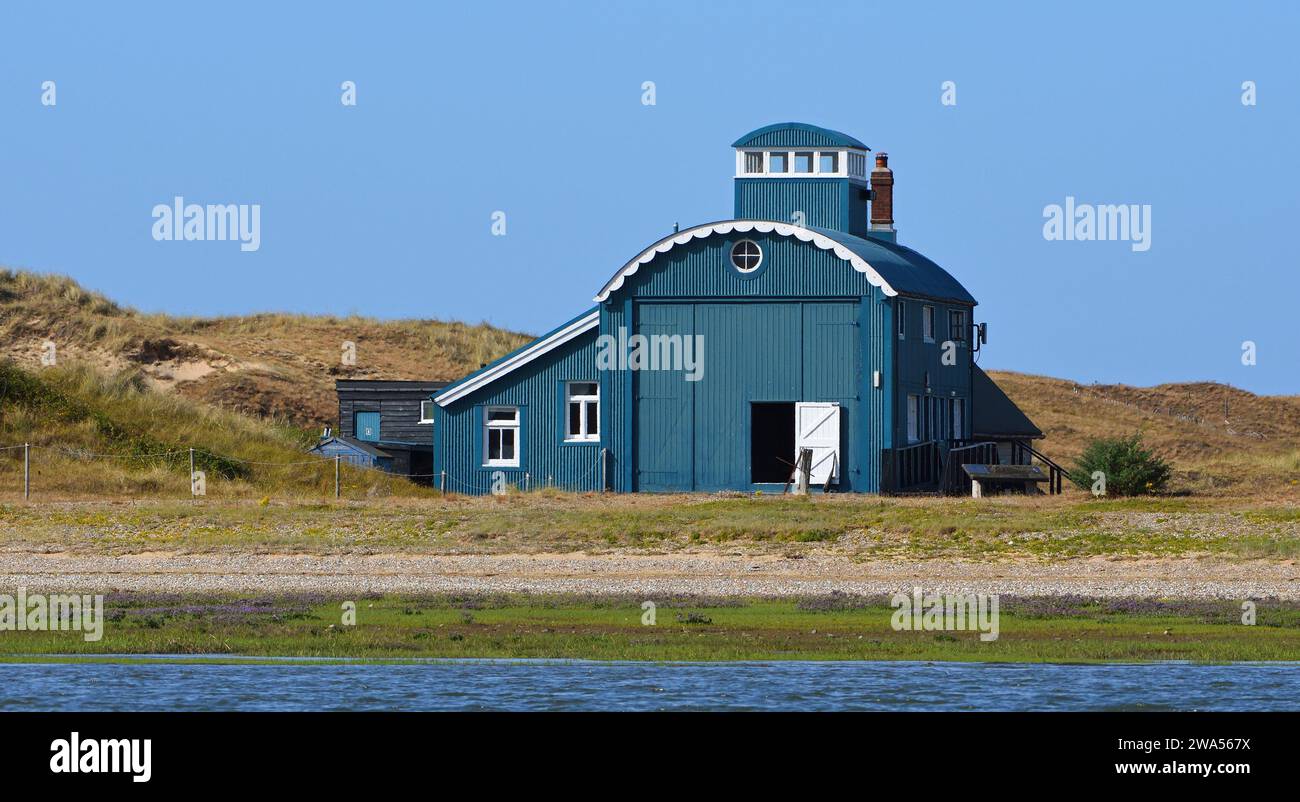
(882,197)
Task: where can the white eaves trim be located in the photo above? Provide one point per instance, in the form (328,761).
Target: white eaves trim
(744,226)
(549,343)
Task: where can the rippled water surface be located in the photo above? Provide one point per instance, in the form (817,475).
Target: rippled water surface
(544,685)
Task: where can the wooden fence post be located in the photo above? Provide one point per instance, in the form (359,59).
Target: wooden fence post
(336,475)
(27,471)
(802,472)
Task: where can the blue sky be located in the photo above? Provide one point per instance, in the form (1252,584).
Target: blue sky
(534,109)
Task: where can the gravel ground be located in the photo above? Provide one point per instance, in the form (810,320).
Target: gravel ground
(704,574)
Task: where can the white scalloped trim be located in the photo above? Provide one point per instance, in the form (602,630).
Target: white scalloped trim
(745,226)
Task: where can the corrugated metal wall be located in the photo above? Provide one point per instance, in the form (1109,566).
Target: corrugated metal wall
(702,269)
(752,353)
(697,435)
(804,345)
(804,327)
(918,357)
(538,390)
(834,203)
(616,393)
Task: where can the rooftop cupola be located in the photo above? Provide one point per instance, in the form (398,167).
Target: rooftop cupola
(803,174)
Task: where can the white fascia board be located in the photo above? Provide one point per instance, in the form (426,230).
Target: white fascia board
(537,349)
(745,226)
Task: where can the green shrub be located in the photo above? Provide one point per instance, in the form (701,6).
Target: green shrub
(1130,469)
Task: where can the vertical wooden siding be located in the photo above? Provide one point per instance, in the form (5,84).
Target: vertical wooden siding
(538,390)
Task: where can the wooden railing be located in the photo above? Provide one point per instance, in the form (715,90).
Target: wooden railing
(1055,473)
(914,467)
(931,466)
(955,482)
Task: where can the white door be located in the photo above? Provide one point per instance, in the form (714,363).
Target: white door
(817,426)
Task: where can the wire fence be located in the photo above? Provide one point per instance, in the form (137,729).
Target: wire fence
(209,468)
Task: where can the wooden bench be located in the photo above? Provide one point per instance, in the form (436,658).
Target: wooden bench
(986,479)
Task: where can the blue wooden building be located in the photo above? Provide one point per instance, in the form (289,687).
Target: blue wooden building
(712,356)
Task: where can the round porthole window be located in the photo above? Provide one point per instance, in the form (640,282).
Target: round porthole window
(746,256)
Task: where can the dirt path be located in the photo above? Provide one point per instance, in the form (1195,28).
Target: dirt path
(704,574)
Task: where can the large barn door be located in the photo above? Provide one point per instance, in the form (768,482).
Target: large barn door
(817,426)
(664,423)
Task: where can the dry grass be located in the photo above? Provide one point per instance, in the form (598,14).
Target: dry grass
(278,366)
(1254,449)
(97,436)
(545,522)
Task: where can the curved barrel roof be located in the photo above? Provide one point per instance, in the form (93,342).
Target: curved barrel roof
(894,268)
(902,268)
(797,135)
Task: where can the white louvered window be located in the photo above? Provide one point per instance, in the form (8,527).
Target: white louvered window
(857,165)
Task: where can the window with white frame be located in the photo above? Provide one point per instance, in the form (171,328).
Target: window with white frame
(913,411)
(426,411)
(959,417)
(927,323)
(501,436)
(746,256)
(800,163)
(582,412)
(902,320)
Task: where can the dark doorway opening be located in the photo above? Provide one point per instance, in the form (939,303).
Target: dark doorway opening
(771,442)
(422,467)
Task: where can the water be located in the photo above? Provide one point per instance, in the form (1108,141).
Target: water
(550,685)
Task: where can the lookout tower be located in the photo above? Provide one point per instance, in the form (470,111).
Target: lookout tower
(807,175)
